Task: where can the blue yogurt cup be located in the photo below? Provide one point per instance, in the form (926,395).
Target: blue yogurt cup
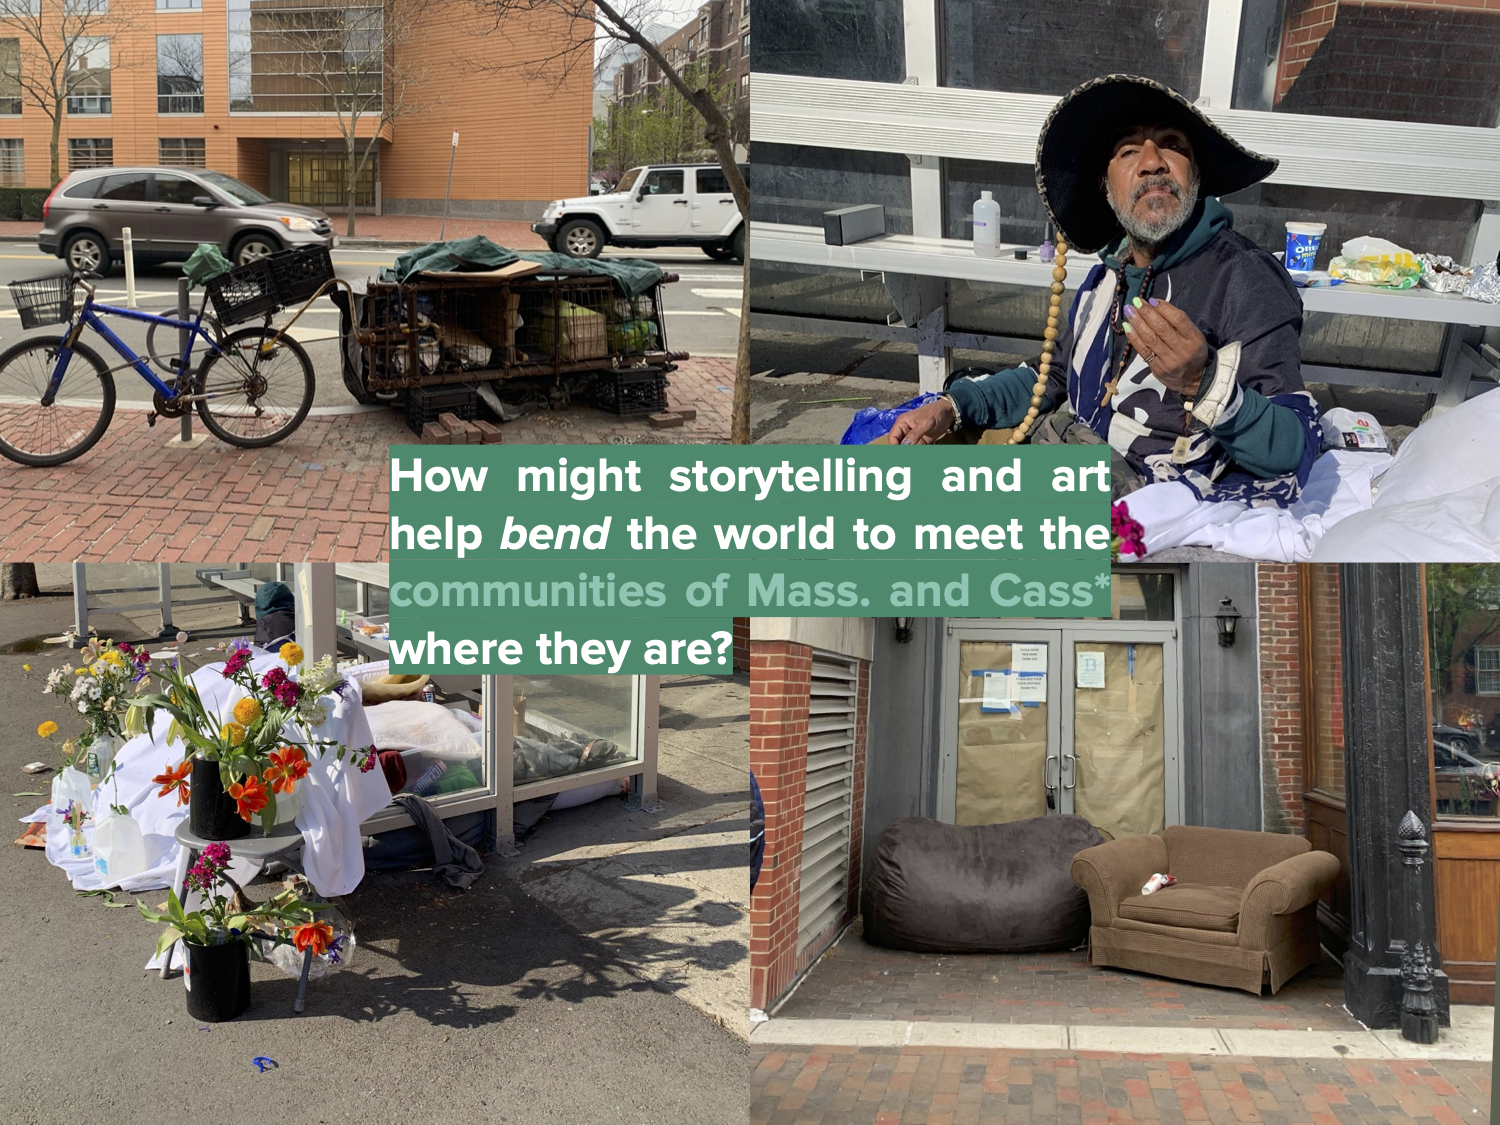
(1302,240)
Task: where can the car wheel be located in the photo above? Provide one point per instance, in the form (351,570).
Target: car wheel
(737,244)
(254,247)
(87,253)
(579,238)
(719,252)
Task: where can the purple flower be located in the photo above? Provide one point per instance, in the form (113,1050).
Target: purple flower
(212,863)
(333,949)
(369,763)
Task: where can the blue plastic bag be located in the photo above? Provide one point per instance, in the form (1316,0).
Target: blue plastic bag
(869,423)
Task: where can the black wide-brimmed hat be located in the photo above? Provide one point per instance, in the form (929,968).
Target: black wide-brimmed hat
(1074,149)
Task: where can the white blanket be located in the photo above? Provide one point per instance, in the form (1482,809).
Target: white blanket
(335,797)
(1437,500)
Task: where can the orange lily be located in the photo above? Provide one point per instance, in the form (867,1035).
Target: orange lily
(318,935)
(174,779)
(288,766)
(251,796)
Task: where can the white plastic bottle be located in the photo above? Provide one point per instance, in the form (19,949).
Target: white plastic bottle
(986,226)
(119,847)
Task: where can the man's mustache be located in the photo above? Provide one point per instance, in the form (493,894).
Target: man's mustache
(1151,182)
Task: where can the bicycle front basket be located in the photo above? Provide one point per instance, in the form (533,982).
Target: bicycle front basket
(43,300)
(244,293)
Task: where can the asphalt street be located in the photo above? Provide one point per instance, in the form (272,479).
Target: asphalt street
(508,1003)
(702,312)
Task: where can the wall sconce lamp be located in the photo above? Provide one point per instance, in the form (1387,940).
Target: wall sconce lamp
(1228,618)
(903,630)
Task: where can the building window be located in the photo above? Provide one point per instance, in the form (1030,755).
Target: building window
(1323,698)
(321,179)
(178,5)
(90,152)
(12,162)
(744,85)
(1463,669)
(179,74)
(277,58)
(88,76)
(86,7)
(10,76)
(745,45)
(1487,670)
(181,152)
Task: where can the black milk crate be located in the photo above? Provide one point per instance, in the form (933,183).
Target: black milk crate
(424,404)
(43,300)
(298,274)
(632,392)
(244,293)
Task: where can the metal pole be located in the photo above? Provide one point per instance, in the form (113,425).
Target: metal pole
(1419,1016)
(80,606)
(184,311)
(452,152)
(129,267)
(164,588)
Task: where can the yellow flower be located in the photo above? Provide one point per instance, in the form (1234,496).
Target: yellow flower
(246,711)
(232,733)
(291,654)
(47,729)
(25,667)
(113,657)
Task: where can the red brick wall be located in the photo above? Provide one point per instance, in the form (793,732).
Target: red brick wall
(1280,697)
(742,644)
(1307,24)
(780,686)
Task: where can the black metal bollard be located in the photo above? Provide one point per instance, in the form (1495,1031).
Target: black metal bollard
(1419,1017)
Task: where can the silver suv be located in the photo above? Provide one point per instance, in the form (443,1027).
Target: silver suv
(169,212)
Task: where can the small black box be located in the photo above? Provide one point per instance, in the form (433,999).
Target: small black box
(849,225)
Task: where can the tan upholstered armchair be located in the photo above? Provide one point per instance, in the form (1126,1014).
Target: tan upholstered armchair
(1242,915)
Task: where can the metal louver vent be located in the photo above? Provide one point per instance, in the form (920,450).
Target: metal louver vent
(830,795)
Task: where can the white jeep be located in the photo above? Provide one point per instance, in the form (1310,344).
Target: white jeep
(658,205)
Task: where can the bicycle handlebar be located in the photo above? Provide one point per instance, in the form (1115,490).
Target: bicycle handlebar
(78,279)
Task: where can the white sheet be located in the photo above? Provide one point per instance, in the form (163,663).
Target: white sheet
(335,797)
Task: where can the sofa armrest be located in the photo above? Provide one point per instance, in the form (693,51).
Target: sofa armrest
(1284,888)
(1111,872)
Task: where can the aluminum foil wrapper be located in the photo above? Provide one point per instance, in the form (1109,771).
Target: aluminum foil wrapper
(1443,275)
(1485,285)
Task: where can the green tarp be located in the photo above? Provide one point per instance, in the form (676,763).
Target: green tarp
(632,276)
(205,264)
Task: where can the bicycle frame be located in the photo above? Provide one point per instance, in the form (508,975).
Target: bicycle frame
(89,316)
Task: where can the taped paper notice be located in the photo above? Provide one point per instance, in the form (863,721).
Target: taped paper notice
(1090,669)
(998,692)
(1028,658)
(1031,687)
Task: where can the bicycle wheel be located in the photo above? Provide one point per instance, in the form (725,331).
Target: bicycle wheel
(255,397)
(39,434)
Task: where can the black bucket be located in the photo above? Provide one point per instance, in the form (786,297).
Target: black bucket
(218,980)
(212,813)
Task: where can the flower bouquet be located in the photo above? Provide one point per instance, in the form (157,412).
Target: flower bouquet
(246,761)
(221,936)
(99,689)
(1127,536)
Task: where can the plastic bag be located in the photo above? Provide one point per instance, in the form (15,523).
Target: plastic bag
(205,264)
(1376,261)
(288,958)
(870,423)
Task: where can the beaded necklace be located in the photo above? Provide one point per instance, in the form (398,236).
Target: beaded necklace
(1049,345)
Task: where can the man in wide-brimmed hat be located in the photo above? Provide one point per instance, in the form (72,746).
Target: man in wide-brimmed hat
(1182,347)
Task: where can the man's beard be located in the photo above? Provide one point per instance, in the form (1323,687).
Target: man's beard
(1160,225)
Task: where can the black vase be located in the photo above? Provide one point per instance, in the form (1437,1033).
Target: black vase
(212,813)
(218,980)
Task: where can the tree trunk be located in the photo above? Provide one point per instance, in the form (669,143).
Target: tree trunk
(18,580)
(353,175)
(57,110)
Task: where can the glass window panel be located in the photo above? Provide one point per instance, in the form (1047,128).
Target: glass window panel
(183,152)
(572,724)
(859,40)
(88,76)
(320,179)
(1042,47)
(1142,597)
(1325,655)
(290,56)
(129,188)
(10,76)
(664,182)
(712,181)
(1463,665)
(1023,219)
(1399,62)
(441,743)
(179,74)
(797,183)
(178,5)
(177,189)
(13,162)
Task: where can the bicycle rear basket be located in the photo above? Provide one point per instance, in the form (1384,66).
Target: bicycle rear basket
(244,293)
(298,274)
(43,300)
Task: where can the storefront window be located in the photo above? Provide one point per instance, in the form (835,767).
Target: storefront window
(1142,597)
(1042,47)
(1323,711)
(571,724)
(797,183)
(856,40)
(1345,58)
(1463,655)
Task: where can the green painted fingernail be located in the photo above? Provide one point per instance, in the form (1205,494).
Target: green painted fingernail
(1137,302)
(1127,328)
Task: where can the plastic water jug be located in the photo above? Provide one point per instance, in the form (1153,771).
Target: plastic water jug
(119,847)
(69,785)
(986,226)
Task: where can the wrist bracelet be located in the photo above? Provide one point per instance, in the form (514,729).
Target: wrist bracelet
(958,417)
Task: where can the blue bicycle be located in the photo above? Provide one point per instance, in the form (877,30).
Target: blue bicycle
(251,388)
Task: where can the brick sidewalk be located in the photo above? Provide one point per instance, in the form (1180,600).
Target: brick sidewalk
(934,1086)
(320,495)
(855,980)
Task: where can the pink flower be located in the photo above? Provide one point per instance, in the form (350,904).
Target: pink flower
(1127,536)
(238,661)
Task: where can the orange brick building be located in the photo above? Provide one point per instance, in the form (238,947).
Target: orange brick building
(194,82)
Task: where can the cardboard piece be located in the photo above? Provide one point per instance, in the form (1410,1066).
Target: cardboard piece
(504,273)
(1120,740)
(1001,756)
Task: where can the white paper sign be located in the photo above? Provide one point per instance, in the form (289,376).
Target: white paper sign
(997,691)
(1028,658)
(1031,687)
(1090,669)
